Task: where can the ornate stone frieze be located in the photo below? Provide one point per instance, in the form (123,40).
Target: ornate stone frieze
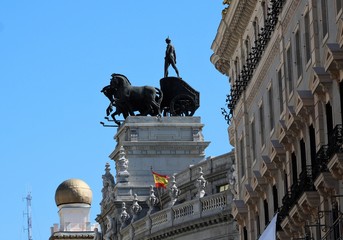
(291,7)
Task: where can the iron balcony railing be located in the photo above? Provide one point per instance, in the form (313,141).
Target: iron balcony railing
(307,177)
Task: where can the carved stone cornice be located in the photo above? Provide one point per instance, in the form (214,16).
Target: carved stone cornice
(333,59)
(326,184)
(250,196)
(297,215)
(339,37)
(335,166)
(290,227)
(239,211)
(294,123)
(268,169)
(304,104)
(277,154)
(259,183)
(285,137)
(230,30)
(309,202)
(321,81)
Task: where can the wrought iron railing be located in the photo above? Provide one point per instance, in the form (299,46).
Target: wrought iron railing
(254,58)
(326,152)
(307,176)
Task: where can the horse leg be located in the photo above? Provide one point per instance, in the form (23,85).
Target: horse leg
(114,118)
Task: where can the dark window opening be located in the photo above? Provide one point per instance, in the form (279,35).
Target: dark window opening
(266,212)
(329,121)
(294,169)
(275,199)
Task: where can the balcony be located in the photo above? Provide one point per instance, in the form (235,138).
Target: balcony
(302,201)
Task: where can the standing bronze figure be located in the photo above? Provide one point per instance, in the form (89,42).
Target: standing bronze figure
(170,58)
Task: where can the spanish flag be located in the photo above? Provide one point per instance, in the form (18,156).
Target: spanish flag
(160,180)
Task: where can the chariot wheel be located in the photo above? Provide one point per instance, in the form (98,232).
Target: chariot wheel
(182,105)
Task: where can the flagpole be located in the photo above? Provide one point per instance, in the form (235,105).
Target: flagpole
(159,193)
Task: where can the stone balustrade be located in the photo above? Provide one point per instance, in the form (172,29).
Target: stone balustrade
(178,216)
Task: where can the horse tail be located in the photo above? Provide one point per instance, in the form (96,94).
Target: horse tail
(159,96)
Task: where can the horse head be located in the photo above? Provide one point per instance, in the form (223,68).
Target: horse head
(119,80)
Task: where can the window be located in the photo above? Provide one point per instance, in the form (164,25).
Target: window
(298,54)
(294,168)
(245,233)
(307,37)
(275,199)
(329,121)
(237,67)
(312,144)
(285,182)
(325,26)
(253,141)
(271,108)
(256,29)
(289,69)
(338,6)
(258,226)
(264,11)
(262,124)
(242,158)
(279,77)
(222,188)
(266,212)
(247,47)
(303,155)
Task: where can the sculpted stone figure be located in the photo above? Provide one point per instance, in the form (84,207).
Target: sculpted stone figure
(97,234)
(108,186)
(152,200)
(170,58)
(174,192)
(135,208)
(124,216)
(110,228)
(201,184)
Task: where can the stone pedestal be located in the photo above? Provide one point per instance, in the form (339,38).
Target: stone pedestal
(167,144)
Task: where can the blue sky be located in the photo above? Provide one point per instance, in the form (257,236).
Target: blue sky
(55,57)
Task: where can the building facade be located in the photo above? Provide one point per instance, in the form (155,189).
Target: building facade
(283,59)
(196,203)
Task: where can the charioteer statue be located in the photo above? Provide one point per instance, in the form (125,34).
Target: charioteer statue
(174,98)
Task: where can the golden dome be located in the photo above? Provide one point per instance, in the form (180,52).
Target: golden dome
(73,191)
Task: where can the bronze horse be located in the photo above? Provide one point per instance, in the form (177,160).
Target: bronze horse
(130,99)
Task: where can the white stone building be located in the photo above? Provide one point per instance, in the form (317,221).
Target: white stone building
(197,201)
(283,59)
